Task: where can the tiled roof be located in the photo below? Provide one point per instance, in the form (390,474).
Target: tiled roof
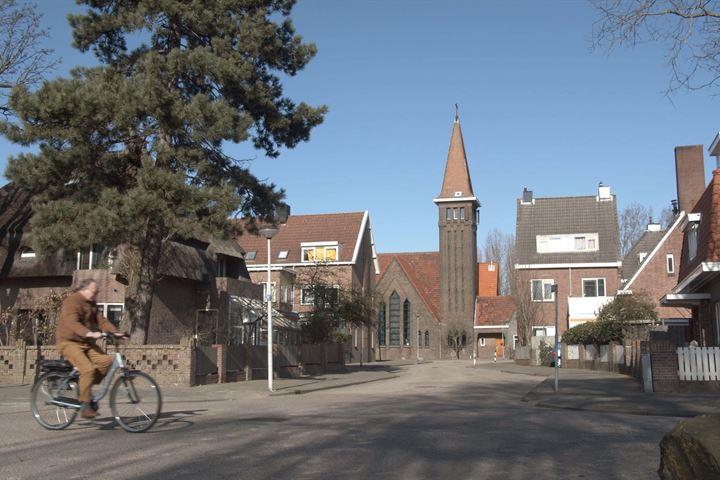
(457,174)
(645,244)
(422,270)
(492,311)
(344,228)
(567,215)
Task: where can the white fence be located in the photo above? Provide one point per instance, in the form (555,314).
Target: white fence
(698,363)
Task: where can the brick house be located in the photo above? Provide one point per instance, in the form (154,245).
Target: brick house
(421,295)
(698,286)
(651,267)
(203,287)
(572,242)
(337,248)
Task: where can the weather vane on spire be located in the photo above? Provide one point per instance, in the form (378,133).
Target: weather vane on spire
(456,112)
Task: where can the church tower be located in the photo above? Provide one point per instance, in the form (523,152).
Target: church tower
(458,215)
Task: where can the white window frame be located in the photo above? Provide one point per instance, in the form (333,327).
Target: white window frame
(692,241)
(670,263)
(482,341)
(642,256)
(302,289)
(537,330)
(597,290)
(567,243)
(317,246)
(545,282)
(27,253)
(103,307)
(282,254)
(273,290)
(251,255)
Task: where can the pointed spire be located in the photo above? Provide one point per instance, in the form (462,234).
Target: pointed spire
(457,174)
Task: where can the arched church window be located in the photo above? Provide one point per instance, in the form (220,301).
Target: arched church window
(394,318)
(381,324)
(427,338)
(463,341)
(407,319)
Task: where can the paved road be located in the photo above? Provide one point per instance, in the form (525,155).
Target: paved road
(435,421)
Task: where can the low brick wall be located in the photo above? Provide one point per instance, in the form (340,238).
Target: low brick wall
(169,365)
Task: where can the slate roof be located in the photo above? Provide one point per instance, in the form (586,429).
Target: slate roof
(493,311)
(345,228)
(422,270)
(567,215)
(645,244)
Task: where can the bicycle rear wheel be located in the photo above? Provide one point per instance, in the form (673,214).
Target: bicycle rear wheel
(135,402)
(48,394)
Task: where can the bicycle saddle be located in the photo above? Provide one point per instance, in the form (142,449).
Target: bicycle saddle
(56,365)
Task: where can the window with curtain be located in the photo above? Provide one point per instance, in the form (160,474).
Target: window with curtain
(394,319)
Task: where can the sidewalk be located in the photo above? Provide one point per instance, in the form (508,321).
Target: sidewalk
(609,392)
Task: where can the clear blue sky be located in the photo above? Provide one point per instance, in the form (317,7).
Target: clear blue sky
(538,108)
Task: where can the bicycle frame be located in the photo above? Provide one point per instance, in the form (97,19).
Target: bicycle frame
(118,364)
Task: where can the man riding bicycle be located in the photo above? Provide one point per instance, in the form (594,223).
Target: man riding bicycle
(79,326)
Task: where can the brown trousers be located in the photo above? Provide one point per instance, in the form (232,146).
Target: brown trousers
(92,363)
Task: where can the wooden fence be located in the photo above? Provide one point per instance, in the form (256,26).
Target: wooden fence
(698,364)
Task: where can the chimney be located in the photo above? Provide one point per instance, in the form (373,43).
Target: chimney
(690,175)
(603,193)
(527,196)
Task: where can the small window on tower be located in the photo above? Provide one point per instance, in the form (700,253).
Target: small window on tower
(455,213)
(447,214)
(462,213)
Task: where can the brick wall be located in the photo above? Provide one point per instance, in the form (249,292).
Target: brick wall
(663,358)
(169,365)
(569,282)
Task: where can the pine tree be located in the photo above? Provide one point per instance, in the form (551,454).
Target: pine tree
(130,151)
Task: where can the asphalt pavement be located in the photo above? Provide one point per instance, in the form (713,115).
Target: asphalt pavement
(578,390)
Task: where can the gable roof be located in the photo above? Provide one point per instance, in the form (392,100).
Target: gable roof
(457,173)
(346,229)
(493,311)
(422,270)
(645,244)
(649,243)
(567,215)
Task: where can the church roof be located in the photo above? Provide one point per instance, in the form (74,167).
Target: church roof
(456,182)
(494,311)
(422,270)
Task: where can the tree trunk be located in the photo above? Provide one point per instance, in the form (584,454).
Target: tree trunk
(141,288)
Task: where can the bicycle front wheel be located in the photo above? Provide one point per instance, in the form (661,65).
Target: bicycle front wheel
(54,400)
(135,402)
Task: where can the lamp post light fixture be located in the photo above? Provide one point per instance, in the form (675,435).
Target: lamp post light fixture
(269,233)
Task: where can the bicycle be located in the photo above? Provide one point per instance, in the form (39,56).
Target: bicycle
(135,398)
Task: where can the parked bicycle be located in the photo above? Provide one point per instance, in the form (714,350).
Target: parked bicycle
(135,399)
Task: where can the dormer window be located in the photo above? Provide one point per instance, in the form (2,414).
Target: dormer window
(579,242)
(320,251)
(27,252)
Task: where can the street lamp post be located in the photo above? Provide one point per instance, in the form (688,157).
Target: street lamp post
(557,337)
(269,233)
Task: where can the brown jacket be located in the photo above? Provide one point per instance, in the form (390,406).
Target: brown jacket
(78,317)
